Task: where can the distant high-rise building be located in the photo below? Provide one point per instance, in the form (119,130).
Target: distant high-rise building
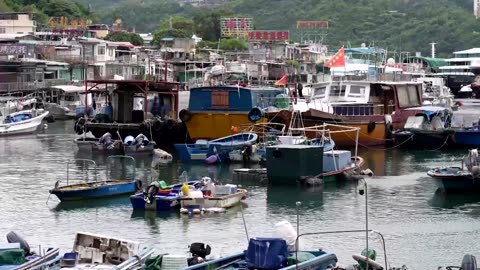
(476,8)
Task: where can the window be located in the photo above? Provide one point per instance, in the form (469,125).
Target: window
(4,17)
(357,91)
(101,50)
(320,92)
(220,100)
(337,91)
(2,30)
(407,96)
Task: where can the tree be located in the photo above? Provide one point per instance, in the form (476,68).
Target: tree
(174,27)
(133,38)
(207,22)
(59,8)
(4,7)
(38,15)
(233,44)
(178,22)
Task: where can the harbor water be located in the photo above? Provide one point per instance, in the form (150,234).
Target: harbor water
(423,229)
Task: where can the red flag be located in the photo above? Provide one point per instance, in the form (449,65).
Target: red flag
(282,81)
(338,60)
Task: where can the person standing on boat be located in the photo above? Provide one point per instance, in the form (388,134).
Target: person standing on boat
(108,110)
(300,89)
(292,93)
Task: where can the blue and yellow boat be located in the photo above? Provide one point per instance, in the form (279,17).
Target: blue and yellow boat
(214,110)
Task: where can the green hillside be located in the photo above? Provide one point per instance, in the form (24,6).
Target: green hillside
(398,25)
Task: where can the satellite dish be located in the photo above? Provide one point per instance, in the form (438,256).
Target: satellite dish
(363,45)
(390,61)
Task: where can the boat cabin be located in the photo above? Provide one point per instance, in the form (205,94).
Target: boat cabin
(361,98)
(232,98)
(131,101)
(68,96)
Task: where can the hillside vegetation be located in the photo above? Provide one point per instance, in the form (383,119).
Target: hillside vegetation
(398,25)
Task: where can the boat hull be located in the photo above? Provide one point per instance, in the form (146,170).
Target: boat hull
(163,132)
(191,152)
(373,130)
(423,139)
(467,138)
(161,203)
(455,180)
(213,125)
(22,127)
(366,136)
(226,201)
(321,261)
(94,190)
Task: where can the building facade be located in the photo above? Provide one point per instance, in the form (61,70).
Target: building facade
(17,23)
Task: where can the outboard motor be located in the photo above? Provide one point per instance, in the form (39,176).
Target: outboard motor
(150,192)
(106,139)
(13,237)
(199,252)
(246,152)
(139,139)
(469,262)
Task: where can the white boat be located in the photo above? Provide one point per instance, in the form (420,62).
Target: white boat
(21,122)
(92,251)
(212,197)
(65,101)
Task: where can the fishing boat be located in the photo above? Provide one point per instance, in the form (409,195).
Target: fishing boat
(271,253)
(227,106)
(17,120)
(316,163)
(463,179)
(17,255)
(467,134)
(65,101)
(427,130)
(203,149)
(159,196)
(210,197)
(92,251)
(96,188)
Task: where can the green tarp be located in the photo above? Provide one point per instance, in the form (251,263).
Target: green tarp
(12,257)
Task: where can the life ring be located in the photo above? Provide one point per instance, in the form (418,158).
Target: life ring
(371,263)
(371,126)
(185,115)
(255,114)
(143,128)
(138,185)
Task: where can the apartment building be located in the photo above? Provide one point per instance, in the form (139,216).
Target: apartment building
(17,23)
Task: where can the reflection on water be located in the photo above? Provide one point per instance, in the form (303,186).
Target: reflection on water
(112,202)
(402,203)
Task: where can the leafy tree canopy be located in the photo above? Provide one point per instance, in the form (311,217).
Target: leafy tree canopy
(232,44)
(133,38)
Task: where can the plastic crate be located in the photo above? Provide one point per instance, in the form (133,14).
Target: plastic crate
(174,262)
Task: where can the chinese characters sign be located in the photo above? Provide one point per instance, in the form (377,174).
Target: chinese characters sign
(236,27)
(268,35)
(66,23)
(312,24)
(13,50)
